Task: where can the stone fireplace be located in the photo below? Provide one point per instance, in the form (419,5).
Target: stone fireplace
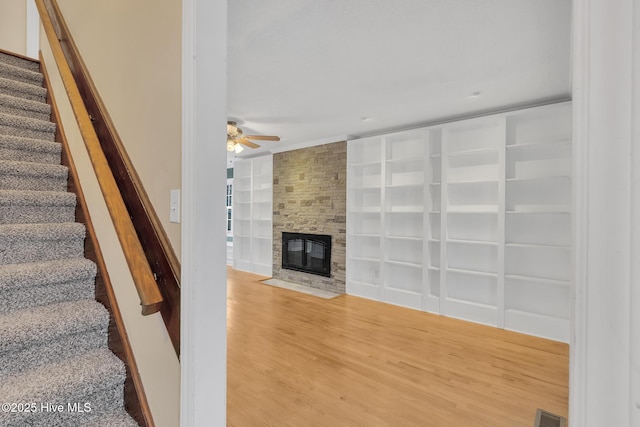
(309,198)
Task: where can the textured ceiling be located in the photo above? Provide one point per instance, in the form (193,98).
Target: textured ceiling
(311,70)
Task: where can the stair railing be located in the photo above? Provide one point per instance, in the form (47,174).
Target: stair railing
(150,296)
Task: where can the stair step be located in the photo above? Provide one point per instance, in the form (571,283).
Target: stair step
(16,148)
(31,207)
(24,243)
(24,107)
(52,351)
(49,333)
(32,176)
(17,61)
(118,418)
(26,328)
(23,90)
(40,283)
(19,276)
(20,74)
(27,127)
(95,378)
(53,334)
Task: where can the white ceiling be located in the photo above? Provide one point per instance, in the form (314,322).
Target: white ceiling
(310,71)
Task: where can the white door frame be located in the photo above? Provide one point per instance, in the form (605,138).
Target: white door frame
(604,363)
(605,344)
(204,175)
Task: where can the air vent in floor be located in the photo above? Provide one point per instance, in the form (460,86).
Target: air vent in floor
(547,419)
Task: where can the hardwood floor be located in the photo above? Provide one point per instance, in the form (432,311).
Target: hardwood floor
(298,360)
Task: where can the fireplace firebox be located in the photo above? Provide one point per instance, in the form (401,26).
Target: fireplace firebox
(310,253)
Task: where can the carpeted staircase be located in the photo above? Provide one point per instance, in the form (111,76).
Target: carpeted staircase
(55,366)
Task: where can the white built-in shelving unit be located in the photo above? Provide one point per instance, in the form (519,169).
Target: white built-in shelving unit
(364,214)
(472,189)
(253,215)
(403,217)
(433,222)
(388,197)
(538,222)
(470,219)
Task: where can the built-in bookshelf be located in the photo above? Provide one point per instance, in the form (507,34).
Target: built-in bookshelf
(470,219)
(364,216)
(405,158)
(433,231)
(538,222)
(388,200)
(253,215)
(472,180)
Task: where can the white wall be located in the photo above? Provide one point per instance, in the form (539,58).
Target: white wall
(152,348)
(133,53)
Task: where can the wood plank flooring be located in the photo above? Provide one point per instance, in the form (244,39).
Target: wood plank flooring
(299,360)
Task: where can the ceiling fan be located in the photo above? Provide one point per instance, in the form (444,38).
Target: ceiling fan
(236,139)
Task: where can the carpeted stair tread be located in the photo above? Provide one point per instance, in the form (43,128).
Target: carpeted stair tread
(94,378)
(53,333)
(118,418)
(27,123)
(22,90)
(24,107)
(92,371)
(51,293)
(19,62)
(24,243)
(24,328)
(48,334)
(39,283)
(52,351)
(41,273)
(30,206)
(36,198)
(32,176)
(19,149)
(20,74)
(27,127)
(42,231)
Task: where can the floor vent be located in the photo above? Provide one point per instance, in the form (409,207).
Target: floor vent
(547,419)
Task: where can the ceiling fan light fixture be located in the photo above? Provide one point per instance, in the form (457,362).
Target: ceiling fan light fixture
(232,128)
(237,141)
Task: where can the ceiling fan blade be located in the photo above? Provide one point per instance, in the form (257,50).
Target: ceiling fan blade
(263,137)
(245,141)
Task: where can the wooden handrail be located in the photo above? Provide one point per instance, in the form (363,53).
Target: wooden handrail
(155,242)
(150,296)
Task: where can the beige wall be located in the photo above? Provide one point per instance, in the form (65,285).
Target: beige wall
(13,26)
(133,52)
(157,362)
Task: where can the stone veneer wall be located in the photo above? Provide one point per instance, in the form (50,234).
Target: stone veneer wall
(310,196)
